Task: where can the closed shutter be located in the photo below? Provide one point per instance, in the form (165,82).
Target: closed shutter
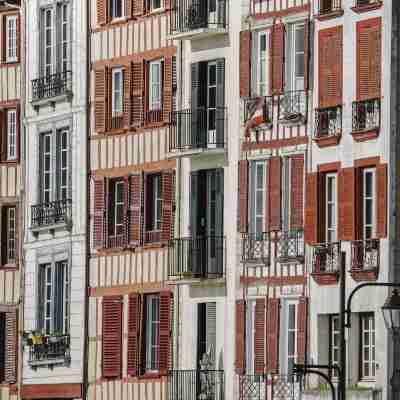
(125,239)
(259,337)
(168,194)
(100,101)
(273,311)
(99,213)
(211,330)
(167,88)
(277,58)
(296,191)
(243,194)
(275,193)
(381,195)
(3,134)
(330,67)
(101,7)
(127,96)
(11,347)
(128,8)
(302,316)
(240,348)
(59,296)
(347,204)
(220,99)
(19,38)
(369,59)
(135,210)
(133,335)
(138,7)
(165,332)
(137,100)
(311,209)
(3,37)
(112,336)
(2,344)
(245,63)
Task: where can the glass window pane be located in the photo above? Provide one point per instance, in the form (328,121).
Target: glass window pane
(212,75)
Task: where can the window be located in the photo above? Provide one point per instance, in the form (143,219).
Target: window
(152,332)
(334,343)
(156,4)
(295,57)
(368,367)
(258,206)
(155,86)
(286,193)
(116,8)
(11,38)
(291,344)
(250,334)
(331,207)
(117,91)
(9,236)
(8,346)
(117,207)
(53,298)
(262,72)
(11,137)
(154,203)
(368,203)
(206,331)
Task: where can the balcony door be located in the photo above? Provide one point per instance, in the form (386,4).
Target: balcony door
(206,335)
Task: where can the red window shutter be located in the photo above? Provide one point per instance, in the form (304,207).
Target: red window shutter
(277,58)
(259,337)
(381,195)
(275,193)
(99,217)
(369,59)
(112,337)
(311,209)
(128,8)
(168,193)
(135,210)
(3,134)
(11,347)
(101,12)
(127,96)
(3,39)
(133,334)
(245,63)
(240,355)
(138,7)
(165,331)
(273,311)
(296,192)
(347,204)
(302,315)
(330,66)
(137,100)
(243,194)
(100,101)
(167,4)
(19,38)
(306,53)
(167,88)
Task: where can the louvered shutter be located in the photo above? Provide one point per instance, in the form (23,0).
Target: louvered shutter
(240,347)
(277,58)
(273,313)
(135,210)
(137,100)
(11,347)
(127,73)
(243,195)
(259,337)
(168,88)
(128,8)
(59,296)
(220,102)
(296,191)
(2,343)
(101,7)
(307,41)
(347,204)
(19,38)
(99,217)
(165,332)
(100,101)
(168,193)
(245,63)
(138,7)
(3,37)
(211,330)
(133,335)
(330,66)
(311,209)
(369,59)
(3,134)
(112,337)
(302,315)
(381,195)
(275,193)
(194,104)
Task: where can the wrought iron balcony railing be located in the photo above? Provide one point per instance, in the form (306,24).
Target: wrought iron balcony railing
(329,6)
(328,122)
(199,257)
(50,86)
(53,213)
(253,387)
(256,247)
(290,246)
(52,350)
(197,128)
(365,255)
(251,105)
(196,385)
(366,115)
(192,15)
(293,107)
(326,258)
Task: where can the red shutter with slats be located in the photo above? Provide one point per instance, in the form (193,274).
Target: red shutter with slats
(277,50)
(137,100)
(19,38)
(302,315)
(165,331)
(100,101)
(381,195)
(167,89)
(245,63)
(369,59)
(99,212)
(3,135)
(135,210)
(259,337)
(167,4)
(101,7)
(138,7)
(347,204)
(127,96)
(112,337)
(330,66)
(275,193)
(128,8)
(240,355)
(273,311)
(296,192)
(243,194)
(3,36)
(133,334)
(311,209)
(168,194)
(11,347)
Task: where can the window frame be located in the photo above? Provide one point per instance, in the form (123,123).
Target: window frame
(253,197)
(262,61)
(117,228)
(331,203)
(153,102)
(153,219)
(372,199)
(288,303)
(155,9)
(13,58)
(371,362)
(11,111)
(112,4)
(152,349)
(286,199)
(291,55)
(114,111)
(250,330)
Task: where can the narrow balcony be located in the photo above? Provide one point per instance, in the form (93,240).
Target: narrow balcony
(366,119)
(290,246)
(196,19)
(365,259)
(198,130)
(329,9)
(49,216)
(328,126)
(366,5)
(256,248)
(253,387)
(292,108)
(258,112)
(196,385)
(326,258)
(196,258)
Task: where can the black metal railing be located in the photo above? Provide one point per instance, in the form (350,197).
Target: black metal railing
(326,258)
(366,115)
(329,6)
(290,246)
(266,105)
(196,385)
(52,213)
(51,350)
(197,128)
(285,387)
(328,122)
(293,106)
(365,254)
(365,3)
(199,257)
(256,247)
(51,85)
(253,387)
(190,15)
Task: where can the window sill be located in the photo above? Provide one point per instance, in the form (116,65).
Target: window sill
(10,162)
(325,278)
(361,275)
(150,375)
(157,11)
(369,7)
(9,267)
(327,141)
(363,136)
(330,15)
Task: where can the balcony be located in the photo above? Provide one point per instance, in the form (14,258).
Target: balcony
(290,246)
(256,248)
(49,351)
(329,9)
(366,119)
(365,259)
(52,88)
(196,258)
(366,5)
(192,19)
(258,112)
(326,258)
(196,385)
(328,126)
(49,216)
(292,108)
(253,387)
(195,131)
